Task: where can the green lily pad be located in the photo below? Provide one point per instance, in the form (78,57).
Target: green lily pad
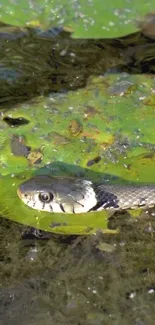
(116,122)
(87,19)
(116,125)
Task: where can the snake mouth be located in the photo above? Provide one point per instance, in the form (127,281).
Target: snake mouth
(19,194)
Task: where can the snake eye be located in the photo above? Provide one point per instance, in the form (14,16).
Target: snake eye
(45,197)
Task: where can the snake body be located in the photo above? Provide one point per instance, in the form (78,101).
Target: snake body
(72,195)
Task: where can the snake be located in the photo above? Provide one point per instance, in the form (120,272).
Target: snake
(76,195)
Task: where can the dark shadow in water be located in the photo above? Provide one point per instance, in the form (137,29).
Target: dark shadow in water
(35,63)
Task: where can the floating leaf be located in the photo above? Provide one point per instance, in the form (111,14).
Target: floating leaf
(87,19)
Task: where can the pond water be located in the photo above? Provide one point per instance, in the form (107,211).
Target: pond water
(60,279)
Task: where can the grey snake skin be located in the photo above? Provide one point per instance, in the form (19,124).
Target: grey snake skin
(72,195)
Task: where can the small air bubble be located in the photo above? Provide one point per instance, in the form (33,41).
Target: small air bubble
(151,290)
(94,291)
(132,295)
(100,277)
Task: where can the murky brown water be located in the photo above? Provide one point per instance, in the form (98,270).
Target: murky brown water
(70,281)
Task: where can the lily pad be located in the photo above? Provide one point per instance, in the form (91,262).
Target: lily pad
(87,19)
(117,127)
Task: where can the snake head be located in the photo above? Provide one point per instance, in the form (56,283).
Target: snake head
(58,194)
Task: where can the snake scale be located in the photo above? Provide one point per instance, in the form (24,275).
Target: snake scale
(73,195)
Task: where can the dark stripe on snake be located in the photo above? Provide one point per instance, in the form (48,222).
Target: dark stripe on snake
(61,207)
(105,200)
